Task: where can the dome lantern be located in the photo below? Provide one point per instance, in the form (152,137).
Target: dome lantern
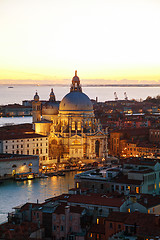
(75,86)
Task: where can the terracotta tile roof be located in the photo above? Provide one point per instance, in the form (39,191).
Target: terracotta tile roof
(149,201)
(27,206)
(117,216)
(62,197)
(124,180)
(73,209)
(19,131)
(96,200)
(10,231)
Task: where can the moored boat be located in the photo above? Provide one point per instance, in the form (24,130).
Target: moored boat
(24,176)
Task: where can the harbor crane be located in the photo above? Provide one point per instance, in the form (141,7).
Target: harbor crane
(125,96)
(115,96)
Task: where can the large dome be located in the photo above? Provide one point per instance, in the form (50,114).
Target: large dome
(76,101)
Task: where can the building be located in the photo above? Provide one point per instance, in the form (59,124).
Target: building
(70,125)
(11,164)
(135,175)
(21,139)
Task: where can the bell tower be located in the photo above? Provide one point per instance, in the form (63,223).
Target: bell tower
(36,109)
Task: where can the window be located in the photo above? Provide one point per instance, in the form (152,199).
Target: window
(21,152)
(119,226)
(129,210)
(33,139)
(27,152)
(137,189)
(41,151)
(41,144)
(97,236)
(79,126)
(22,140)
(27,145)
(17,146)
(21,146)
(33,151)
(37,144)
(46,150)
(110,225)
(117,187)
(97,220)
(6,141)
(46,144)
(77,185)
(54,227)
(122,188)
(70,217)
(62,228)
(6,147)
(73,126)
(13,146)
(37,215)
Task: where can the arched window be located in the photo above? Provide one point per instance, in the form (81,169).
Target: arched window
(79,126)
(73,126)
(97,148)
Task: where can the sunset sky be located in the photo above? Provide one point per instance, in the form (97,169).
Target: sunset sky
(106,40)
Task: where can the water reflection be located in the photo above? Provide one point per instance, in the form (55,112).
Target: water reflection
(14,193)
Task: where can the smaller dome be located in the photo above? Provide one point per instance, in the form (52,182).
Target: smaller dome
(36,97)
(50,108)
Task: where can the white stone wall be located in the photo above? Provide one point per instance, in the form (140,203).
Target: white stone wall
(28,146)
(20,166)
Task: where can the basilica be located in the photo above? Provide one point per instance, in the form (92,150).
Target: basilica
(71,126)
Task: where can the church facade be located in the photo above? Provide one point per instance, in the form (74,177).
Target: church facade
(71,126)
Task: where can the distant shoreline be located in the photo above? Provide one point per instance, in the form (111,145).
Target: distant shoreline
(84,85)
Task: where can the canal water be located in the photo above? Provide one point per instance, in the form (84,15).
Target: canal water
(14,193)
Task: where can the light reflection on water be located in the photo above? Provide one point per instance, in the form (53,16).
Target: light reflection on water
(14,193)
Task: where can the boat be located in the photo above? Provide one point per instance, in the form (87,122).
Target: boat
(24,176)
(61,174)
(10,87)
